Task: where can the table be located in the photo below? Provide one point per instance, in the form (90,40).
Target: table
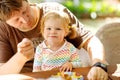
(82,71)
(46,74)
(112,69)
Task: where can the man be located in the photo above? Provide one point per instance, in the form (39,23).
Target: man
(21,20)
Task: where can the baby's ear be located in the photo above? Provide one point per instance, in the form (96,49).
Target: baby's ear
(66,33)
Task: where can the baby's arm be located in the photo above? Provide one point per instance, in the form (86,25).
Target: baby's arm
(73,63)
(75,60)
(37,60)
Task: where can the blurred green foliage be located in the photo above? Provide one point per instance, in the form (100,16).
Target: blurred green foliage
(85,8)
(89,8)
(35,1)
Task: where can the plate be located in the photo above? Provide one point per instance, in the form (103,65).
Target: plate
(66,76)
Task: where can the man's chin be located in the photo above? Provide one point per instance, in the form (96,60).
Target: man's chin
(26,29)
(23,30)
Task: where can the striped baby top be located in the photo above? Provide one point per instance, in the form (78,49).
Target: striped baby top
(46,59)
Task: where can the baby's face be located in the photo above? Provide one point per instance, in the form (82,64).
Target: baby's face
(54,31)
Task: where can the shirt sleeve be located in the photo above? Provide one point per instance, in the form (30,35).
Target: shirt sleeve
(6,51)
(75,58)
(37,59)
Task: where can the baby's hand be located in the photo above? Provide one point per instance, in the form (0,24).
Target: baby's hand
(66,67)
(26,48)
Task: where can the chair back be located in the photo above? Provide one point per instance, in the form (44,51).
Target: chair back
(109,34)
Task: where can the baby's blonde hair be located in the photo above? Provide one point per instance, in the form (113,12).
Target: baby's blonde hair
(71,33)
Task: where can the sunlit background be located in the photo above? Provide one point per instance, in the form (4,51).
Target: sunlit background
(92,13)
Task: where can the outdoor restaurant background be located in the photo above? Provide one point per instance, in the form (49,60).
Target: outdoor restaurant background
(92,13)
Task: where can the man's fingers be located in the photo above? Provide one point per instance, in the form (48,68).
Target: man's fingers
(25,42)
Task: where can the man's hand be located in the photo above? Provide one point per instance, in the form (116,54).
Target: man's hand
(97,73)
(26,48)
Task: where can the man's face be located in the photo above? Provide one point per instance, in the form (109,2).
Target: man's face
(23,19)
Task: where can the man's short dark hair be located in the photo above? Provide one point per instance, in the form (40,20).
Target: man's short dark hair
(9,6)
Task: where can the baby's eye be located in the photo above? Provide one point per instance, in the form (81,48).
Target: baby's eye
(48,28)
(58,28)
